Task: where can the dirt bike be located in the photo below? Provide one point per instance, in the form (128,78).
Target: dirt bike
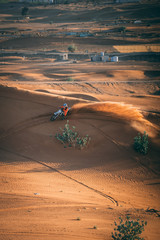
(59,114)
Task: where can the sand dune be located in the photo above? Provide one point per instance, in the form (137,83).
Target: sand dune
(52,186)
(59,185)
(121,111)
(48,191)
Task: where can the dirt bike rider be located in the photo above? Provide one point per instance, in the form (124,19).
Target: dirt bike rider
(64,109)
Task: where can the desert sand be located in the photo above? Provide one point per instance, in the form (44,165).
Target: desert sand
(55,193)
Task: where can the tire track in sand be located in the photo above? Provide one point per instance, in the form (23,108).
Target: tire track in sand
(31,122)
(34,121)
(63,174)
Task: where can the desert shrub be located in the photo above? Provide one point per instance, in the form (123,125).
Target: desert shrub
(24,11)
(70,138)
(72,48)
(128,229)
(141,143)
(122,29)
(70,79)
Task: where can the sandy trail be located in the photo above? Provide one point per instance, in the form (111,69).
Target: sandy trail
(46,187)
(51,192)
(51,186)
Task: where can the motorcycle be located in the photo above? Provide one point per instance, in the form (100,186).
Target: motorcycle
(59,114)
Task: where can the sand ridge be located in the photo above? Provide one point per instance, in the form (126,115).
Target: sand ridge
(29,148)
(48,191)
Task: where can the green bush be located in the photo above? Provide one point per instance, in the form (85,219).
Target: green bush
(122,29)
(141,143)
(72,48)
(70,138)
(128,229)
(24,11)
(70,79)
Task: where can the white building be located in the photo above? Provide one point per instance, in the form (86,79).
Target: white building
(103,58)
(63,56)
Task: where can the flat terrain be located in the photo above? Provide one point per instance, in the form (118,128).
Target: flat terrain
(51,192)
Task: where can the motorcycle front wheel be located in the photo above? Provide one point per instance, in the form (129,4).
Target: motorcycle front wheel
(53,118)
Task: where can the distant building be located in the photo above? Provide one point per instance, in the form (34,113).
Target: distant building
(98,58)
(114,59)
(63,56)
(102,58)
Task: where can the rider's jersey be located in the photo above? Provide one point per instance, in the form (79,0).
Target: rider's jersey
(64,110)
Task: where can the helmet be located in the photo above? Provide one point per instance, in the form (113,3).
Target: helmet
(65,105)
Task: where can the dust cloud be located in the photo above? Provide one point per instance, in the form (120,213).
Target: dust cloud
(124,112)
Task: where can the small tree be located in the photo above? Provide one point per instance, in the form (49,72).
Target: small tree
(72,48)
(70,79)
(128,229)
(69,137)
(123,30)
(24,11)
(141,143)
